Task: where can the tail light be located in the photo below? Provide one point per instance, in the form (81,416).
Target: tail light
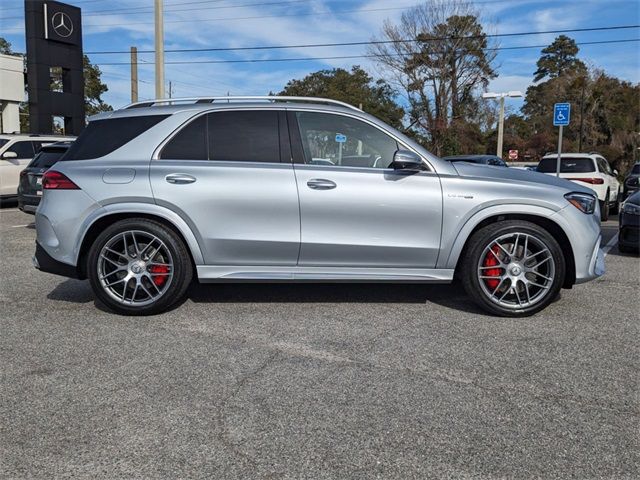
(52,180)
(592,181)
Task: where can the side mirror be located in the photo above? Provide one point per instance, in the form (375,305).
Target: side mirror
(615,173)
(9,154)
(407,160)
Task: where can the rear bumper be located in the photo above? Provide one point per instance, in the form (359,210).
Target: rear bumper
(46,263)
(28,203)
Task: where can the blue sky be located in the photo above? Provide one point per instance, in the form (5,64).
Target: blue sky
(119,24)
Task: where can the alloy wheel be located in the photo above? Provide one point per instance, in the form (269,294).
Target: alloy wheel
(516,270)
(135,268)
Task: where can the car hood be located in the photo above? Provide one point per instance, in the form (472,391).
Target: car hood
(517,175)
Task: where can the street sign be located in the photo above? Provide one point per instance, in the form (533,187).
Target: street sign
(561,114)
(513,154)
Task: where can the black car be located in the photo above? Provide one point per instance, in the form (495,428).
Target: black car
(629,235)
(631,182)
(481,159)
(30,185)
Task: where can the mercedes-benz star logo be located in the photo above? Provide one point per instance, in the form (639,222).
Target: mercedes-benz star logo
(62,24)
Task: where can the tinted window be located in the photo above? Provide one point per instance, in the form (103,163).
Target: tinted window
(3,142)
(246,136)
(190,143)
(338,140)
(636,169)
(46,159)
(102,137)
(22,149)
(567,165)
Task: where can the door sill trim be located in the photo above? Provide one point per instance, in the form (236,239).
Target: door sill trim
(230,273)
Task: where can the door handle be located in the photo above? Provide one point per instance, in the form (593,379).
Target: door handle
(179,178)
(321,184)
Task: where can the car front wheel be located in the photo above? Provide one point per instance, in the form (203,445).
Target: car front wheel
(139,267)
(513,268)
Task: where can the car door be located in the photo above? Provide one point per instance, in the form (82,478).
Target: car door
(355,209)
(222,172)
(10,168)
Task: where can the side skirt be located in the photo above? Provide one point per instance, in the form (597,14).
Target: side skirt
(230,273)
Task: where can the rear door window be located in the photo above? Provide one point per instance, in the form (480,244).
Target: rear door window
(101,137)
(244,136)
(567,165)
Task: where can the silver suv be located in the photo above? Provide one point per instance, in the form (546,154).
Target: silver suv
(300,189)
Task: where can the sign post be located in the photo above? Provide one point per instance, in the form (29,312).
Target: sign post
(561,118)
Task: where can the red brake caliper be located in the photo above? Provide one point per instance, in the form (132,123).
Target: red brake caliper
(163,272)
(489,261)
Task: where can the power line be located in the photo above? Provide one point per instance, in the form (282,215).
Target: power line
(344,57)
(371,42)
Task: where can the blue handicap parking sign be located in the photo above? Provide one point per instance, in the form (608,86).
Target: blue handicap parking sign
(561,114)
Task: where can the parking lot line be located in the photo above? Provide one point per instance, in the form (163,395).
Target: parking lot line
(20,226)
(610,244)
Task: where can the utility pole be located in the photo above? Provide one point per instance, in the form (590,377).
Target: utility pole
(134,74)
(500,128)
(159,42)
(501,96)
(170,86)
(584,80)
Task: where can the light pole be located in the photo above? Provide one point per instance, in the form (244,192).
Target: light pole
(159,41)
(501,96)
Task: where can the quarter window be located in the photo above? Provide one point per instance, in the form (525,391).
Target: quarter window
(329,139)
(190,143)
(245,136)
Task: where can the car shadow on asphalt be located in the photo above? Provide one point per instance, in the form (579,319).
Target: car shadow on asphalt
(450,296)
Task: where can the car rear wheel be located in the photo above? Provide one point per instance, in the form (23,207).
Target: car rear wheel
(513,268)
(139,267)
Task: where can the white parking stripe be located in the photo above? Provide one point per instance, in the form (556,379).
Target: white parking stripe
(20,226)
(610,244)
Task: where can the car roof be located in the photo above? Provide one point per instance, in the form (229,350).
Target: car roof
(56,146)
(572,155)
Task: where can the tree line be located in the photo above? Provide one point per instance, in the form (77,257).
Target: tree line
(438,59)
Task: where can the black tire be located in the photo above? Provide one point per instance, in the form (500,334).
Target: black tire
(604,209)
(482,239)
(627,249)
(182,269)
(615,206)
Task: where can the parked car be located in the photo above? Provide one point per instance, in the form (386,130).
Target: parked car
(30,186)
(300,189)
(480,159)
(16,151)
(591,169)
(632,180)
(629,234)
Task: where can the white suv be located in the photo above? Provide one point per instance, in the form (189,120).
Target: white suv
(591,169)
(16,151)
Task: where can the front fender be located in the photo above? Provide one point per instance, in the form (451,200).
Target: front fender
(451,250)
(145,209)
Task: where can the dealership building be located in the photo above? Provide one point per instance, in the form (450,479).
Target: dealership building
(11,92)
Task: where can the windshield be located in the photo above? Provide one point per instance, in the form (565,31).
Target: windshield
(567,165)
(634,171)
(46,159)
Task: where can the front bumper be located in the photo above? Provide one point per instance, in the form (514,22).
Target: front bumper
(46,263)
(28,203)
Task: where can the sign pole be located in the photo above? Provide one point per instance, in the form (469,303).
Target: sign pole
(559,152)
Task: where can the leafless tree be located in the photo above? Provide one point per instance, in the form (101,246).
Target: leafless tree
(440,56)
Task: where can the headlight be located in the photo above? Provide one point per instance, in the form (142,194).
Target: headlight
(631,209)
(582,201)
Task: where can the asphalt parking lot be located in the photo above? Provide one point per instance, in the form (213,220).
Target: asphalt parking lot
(315,381)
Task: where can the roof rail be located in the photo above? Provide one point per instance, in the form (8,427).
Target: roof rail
(173,101)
